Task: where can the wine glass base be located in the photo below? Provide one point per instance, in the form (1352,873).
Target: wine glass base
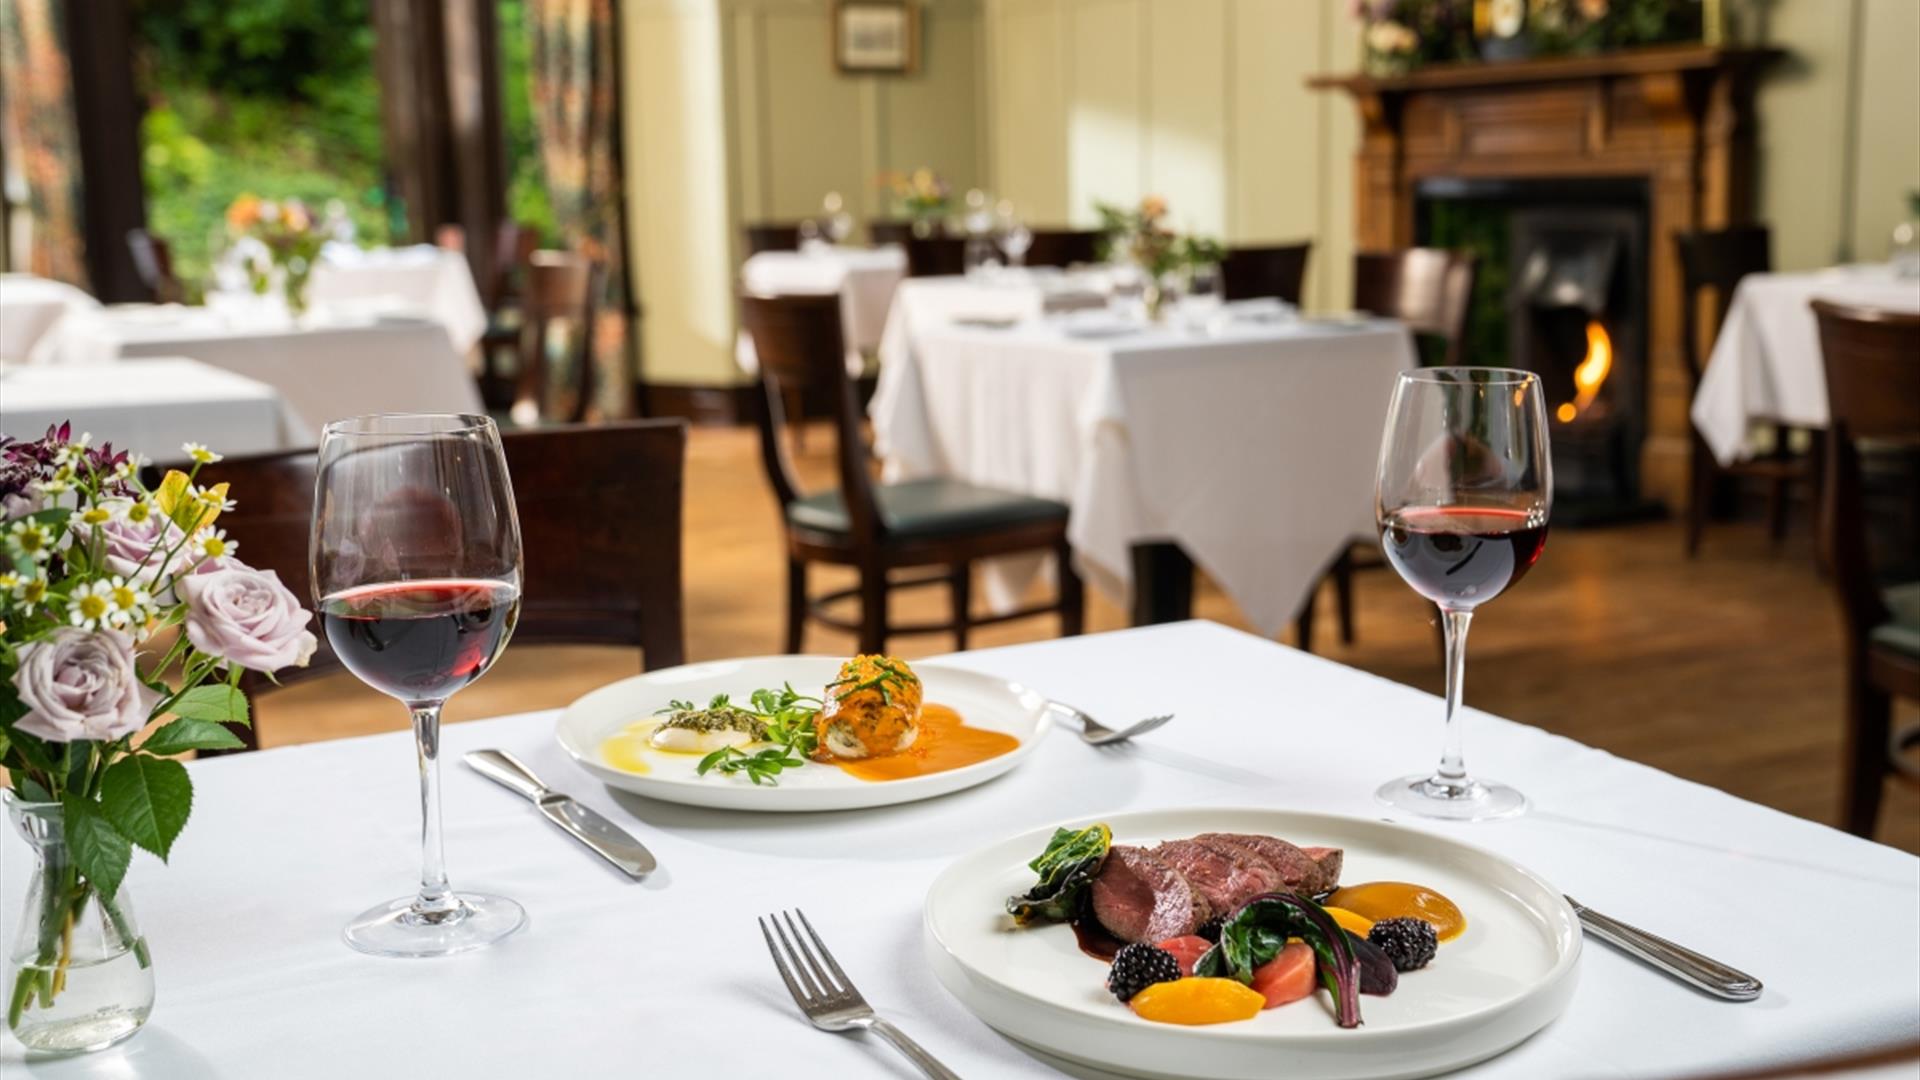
(396,929)
(1465,800)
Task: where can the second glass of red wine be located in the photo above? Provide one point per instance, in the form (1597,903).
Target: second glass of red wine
(1462,498)
(416,572)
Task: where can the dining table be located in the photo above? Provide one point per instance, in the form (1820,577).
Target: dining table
(865,279)
(30,306)
(326,364)
(669,976)
(1766,365)
(151,407)
(1246,447)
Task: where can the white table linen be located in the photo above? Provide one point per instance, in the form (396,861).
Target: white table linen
(1254,450)
(423,279)
(669,978)
(864,278)
(30,306)
(1766,364)
(930,303)
(151,407)
(325,368)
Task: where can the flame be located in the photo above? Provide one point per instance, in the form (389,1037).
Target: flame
(1591,373)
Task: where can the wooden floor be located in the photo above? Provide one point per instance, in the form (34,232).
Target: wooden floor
(1725,670)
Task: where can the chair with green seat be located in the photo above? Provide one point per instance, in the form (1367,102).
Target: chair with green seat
(1873,394)
(930,531)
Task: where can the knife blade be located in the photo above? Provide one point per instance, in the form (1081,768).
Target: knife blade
(1702,972)
(583,823)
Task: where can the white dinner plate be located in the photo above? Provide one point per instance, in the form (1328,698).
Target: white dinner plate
(1508,975)
(981,700)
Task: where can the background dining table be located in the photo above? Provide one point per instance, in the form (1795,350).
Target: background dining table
(30,306)
(864,278)
(1766,364)
(150,407)
(670,978)
(1250,447)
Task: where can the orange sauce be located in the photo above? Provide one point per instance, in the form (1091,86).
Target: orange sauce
(945,742)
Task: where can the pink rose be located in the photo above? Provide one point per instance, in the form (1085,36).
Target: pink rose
(81,685)
(246,617)
(147,552)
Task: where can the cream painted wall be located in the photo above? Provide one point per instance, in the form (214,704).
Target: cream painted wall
(1888,154)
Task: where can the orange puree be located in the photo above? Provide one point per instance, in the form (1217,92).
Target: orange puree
(945,742)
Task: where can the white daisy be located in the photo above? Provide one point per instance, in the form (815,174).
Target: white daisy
(199,453)
(211,543)
(30,538)
(73,451)
(211,500)
(98,514)
(29,591)
(137,511)
(91,605)
(131,605)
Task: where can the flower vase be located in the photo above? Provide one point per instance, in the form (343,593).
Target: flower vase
(293,286)
(922,227)
(79,977)
(1153,295)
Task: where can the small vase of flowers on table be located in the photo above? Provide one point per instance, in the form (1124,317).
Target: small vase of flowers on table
(126,621)
(1140,237)
(923,196)
(284,246)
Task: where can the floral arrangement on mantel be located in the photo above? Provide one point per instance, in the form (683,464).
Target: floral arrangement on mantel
(285,242)
(119,608)
(1398,36)
(1140,235)
(922,195)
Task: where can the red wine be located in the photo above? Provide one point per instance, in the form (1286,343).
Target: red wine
(1462,556)
(420,641)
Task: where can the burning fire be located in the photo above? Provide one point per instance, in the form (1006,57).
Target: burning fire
(1590,374)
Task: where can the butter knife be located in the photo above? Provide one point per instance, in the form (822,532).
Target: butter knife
(609,841)
(1701,972)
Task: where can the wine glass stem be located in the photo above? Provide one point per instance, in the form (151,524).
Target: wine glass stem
(1453,769)
(435,898)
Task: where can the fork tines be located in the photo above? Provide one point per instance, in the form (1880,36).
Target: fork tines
(812,990)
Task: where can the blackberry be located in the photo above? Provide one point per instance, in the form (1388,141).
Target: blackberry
(1409,943)
(1137,967)
(1211,929)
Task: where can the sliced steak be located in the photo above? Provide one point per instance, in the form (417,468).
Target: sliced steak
(1330,860)
(1138,897)
(1224,878)
(1299,871)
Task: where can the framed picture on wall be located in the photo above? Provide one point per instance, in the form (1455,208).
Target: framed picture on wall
(876,36)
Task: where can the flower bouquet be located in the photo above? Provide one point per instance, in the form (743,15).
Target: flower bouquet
(1141,237)
(123,611)
(922,196)
(285,243)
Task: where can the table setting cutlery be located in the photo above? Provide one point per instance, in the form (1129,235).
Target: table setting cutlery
(583,823)
(1094,733)
(1701,972)
(834,1004)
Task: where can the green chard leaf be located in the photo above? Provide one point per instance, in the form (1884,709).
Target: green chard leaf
(219,702)
(1066,868)
(99,850)
(182,735)
(147,799)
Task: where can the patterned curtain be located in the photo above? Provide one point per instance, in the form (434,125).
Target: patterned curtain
(42,137)
(576,109)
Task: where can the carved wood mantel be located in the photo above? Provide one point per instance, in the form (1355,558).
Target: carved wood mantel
(1680,118)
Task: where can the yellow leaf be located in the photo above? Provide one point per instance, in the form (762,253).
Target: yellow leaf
(177,502)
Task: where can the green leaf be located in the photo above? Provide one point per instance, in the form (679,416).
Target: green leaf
(219,703)
(148,799)
(100,851)
(186,734)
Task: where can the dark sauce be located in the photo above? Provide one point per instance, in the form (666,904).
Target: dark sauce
(1094,939)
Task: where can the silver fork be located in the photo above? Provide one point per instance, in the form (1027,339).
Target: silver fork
(1099,734)
(833,1004)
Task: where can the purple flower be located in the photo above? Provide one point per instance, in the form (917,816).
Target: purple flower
(81,685)
(247,618)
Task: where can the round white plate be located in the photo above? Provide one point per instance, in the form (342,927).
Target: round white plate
(1506,977)
(982,701)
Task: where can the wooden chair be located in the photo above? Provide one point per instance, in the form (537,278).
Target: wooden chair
(1280,271)
(880,528)
(499,285)
(153,264)
(1431,291)
(1873,392)
(933,256)
(561,288)
(1717,260)
(600,526)
(1063,247)
(773,236)
(889,231)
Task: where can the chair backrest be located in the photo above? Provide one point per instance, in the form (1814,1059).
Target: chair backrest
(933,256)
(153,264)
(600,513)
(889,231)
(1717,260)
(1063,247)
(1872,360)
(773,236)
(513,244)
(560,288)
(1429,289)
(1279,271)
(800,347)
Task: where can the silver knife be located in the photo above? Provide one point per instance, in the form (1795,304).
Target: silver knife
(1702,972)
(609,841)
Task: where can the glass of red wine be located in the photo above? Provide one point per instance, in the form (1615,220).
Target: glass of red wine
(416,573)
(1462,498)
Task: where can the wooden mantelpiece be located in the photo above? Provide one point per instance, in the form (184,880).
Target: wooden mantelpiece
(1680,118)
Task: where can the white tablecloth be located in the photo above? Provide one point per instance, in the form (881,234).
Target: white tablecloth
(669,978)
(1766,364)
(931,303)
(150,407)
(1253,450)
(30,306)
(325,369)
(865,278)
(420,280)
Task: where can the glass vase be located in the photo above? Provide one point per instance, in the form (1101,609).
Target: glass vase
(79,977)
